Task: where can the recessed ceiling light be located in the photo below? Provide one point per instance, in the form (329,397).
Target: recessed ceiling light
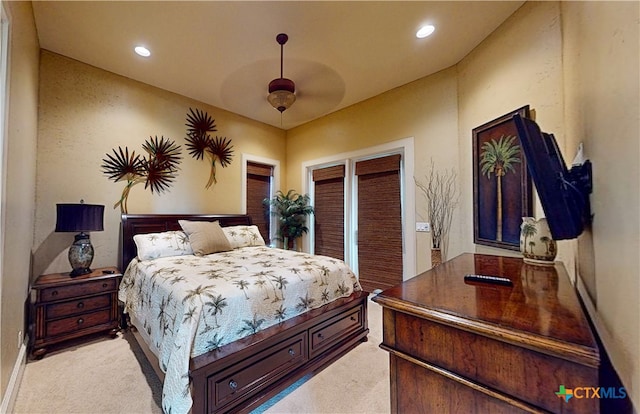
(142,51)
(425,31)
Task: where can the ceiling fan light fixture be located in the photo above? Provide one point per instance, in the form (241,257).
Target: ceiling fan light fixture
(281,93)
(281,90)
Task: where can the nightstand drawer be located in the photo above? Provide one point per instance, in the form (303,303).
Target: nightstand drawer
(75,307)
(76,290)
(76,323)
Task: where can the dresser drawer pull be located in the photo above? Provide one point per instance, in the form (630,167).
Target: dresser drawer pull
(353,318)
(320,336)
(104,285)
(80,321)
(80,305)
(54,293)
(233,385)
(292,352)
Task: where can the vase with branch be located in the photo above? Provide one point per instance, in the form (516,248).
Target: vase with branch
(441,194)
(201,144)
(157,170)
(292,210)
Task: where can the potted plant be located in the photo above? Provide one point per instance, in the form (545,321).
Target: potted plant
(292,210)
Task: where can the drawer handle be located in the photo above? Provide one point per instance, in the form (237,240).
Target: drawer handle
(54,293)
(80,305)
(233,385)
(292,352)
(320,336)
(104,285)
(353,318)
(80,321)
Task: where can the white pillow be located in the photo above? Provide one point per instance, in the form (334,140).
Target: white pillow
(170,243)
(243,236)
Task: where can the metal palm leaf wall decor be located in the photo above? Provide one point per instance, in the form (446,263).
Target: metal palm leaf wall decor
(157,170)
(200,143)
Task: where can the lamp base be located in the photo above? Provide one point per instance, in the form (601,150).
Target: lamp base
(80,255)
(80,272)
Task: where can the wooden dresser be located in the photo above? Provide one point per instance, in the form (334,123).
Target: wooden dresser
(65,308)
(462,347)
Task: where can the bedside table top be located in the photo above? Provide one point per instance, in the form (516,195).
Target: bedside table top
(61,279)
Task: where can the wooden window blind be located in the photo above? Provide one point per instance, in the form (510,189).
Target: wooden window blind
(329,211)
(258,188)
(379,222)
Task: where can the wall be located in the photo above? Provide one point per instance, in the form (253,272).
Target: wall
(19,197)
(601,72)
(576,65)
(86,112)
(425,110)
(519,64)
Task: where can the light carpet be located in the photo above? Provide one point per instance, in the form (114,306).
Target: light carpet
(113,376)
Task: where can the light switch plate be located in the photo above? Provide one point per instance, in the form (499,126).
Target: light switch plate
(422,226)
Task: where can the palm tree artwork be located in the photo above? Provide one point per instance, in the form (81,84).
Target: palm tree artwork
(499,158)
(528,230)
(201,144)
(157,170)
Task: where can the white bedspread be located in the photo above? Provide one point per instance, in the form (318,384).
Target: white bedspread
(191,305)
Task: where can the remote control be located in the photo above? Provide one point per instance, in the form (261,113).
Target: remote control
(489,279)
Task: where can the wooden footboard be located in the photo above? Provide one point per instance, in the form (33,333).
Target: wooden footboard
(242,375)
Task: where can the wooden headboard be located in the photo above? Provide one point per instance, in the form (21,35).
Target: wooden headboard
(133,224)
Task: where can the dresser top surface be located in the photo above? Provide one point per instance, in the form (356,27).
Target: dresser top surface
(541,303)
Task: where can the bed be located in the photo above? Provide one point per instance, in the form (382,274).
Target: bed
(239,374)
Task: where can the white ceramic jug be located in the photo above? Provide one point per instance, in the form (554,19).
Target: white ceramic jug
(536,243)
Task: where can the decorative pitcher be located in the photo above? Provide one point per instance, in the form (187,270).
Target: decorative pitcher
(536,244)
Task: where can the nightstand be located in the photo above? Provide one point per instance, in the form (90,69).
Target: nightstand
(65,308)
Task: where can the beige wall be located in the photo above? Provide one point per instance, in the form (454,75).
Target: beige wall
(86,112)
(601,71)
(19,198)
(576,65)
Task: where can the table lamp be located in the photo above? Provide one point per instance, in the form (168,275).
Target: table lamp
(81,218)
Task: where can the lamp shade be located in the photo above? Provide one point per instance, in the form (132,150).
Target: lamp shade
(79,217)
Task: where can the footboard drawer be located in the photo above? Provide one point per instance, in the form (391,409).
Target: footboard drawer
(257,371)
(328,333)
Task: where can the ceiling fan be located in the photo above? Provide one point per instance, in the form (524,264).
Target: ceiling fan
(282,90)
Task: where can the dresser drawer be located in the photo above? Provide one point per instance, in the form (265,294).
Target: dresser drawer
(76,323)
(335,329)
(74,307)
(77,290)
(258,370)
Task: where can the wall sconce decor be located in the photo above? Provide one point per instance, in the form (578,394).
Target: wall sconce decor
(157,170)
(81,218)
(200,143)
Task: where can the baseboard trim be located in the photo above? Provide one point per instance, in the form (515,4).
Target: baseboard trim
(9,398)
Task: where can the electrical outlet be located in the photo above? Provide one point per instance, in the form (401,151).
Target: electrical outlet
(422,226)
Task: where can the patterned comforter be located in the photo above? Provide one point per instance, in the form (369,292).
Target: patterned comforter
(190,305)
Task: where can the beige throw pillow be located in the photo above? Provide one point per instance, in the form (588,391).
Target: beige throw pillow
(205,237)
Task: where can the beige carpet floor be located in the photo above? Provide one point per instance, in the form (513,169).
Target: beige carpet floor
(113,376)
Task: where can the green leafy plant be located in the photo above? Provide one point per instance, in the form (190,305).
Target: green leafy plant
(200,143)
(157,170)
(292,210)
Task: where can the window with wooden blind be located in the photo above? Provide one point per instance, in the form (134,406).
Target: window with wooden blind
(329,211)
(379,222)
(259,188)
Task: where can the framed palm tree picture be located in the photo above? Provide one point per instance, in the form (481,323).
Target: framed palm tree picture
(502,191)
